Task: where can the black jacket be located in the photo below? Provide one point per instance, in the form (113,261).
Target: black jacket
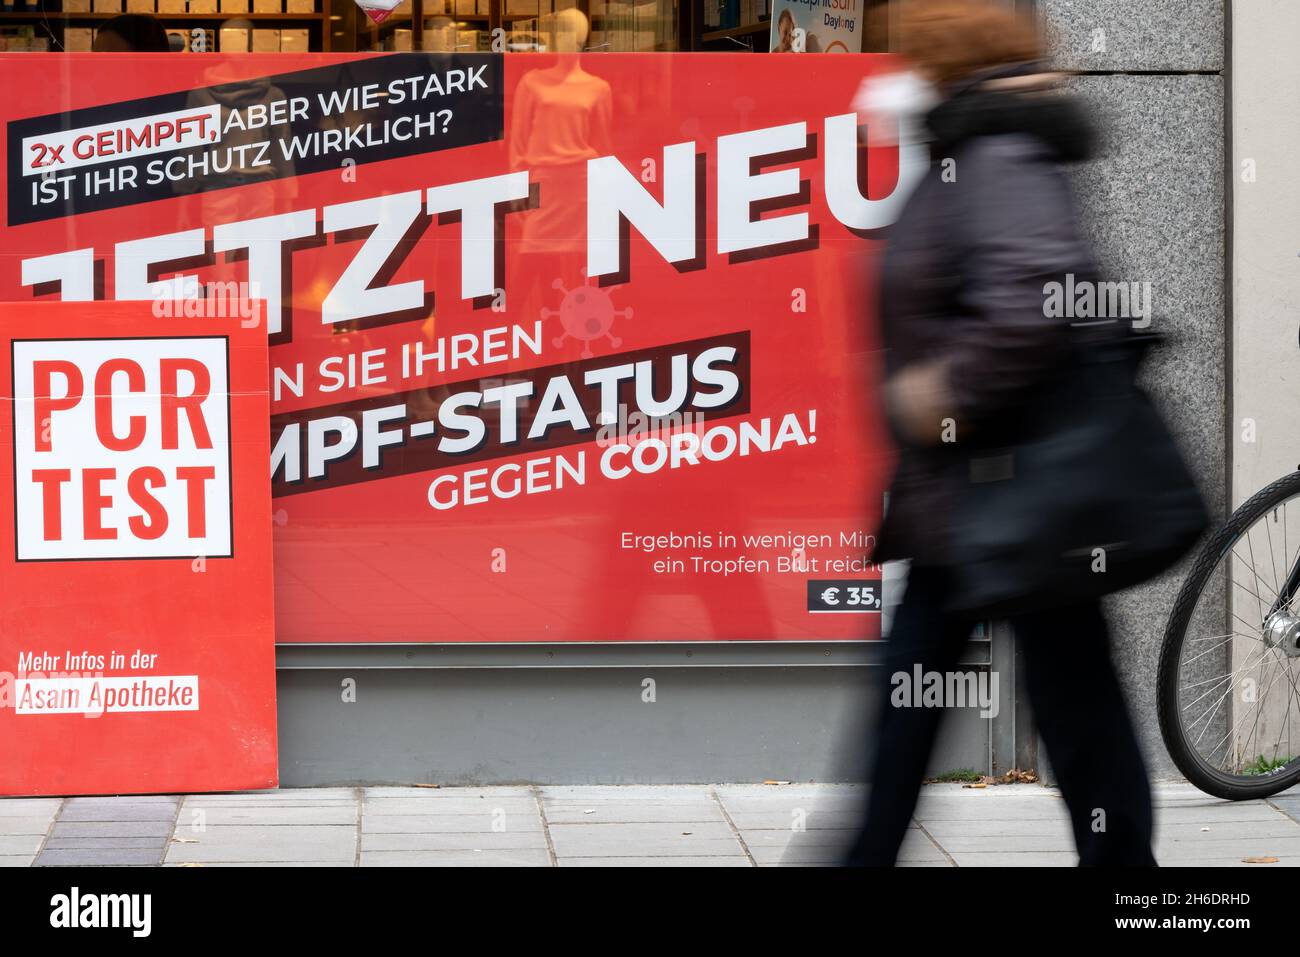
(963,282)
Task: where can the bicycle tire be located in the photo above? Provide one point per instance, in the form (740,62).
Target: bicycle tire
(1209,779)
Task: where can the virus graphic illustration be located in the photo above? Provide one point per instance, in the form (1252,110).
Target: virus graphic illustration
(587,313)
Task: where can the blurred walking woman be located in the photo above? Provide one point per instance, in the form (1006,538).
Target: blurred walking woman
(968,344)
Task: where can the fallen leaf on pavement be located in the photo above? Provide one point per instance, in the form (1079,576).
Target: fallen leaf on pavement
(1017,776)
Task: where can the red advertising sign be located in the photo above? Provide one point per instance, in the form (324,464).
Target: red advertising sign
(573,348)
(136,626)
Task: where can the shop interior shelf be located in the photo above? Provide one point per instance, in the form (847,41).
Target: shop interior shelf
(57,15)
(740,31)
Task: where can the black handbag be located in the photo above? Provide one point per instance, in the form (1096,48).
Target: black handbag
(1085,494)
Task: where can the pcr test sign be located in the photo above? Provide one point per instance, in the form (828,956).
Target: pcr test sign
(122,448)
(136,618)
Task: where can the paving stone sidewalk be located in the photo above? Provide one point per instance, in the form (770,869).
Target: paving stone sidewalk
(715,826)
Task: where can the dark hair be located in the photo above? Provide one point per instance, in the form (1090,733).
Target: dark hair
(142,33)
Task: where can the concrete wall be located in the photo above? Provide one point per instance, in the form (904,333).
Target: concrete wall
(580,715)
(1153,204)
(1266,245)
(1264,441)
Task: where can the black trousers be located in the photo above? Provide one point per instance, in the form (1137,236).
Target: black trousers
(1078,705)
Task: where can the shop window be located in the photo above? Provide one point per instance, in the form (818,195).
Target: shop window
(515,26)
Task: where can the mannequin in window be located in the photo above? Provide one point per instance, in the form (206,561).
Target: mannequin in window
(561,118)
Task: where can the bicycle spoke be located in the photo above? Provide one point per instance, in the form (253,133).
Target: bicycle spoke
(1233,730)
(1223,697)
(1251,545)
(1218,679)
(1228,677)
(1285,728)
(1262,581)
(1259,711)
(1245,622)
(1229,634)
(1268,529)
(1206,652)
(1249,592)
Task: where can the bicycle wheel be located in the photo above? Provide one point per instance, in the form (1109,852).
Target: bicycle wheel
(1229,676)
